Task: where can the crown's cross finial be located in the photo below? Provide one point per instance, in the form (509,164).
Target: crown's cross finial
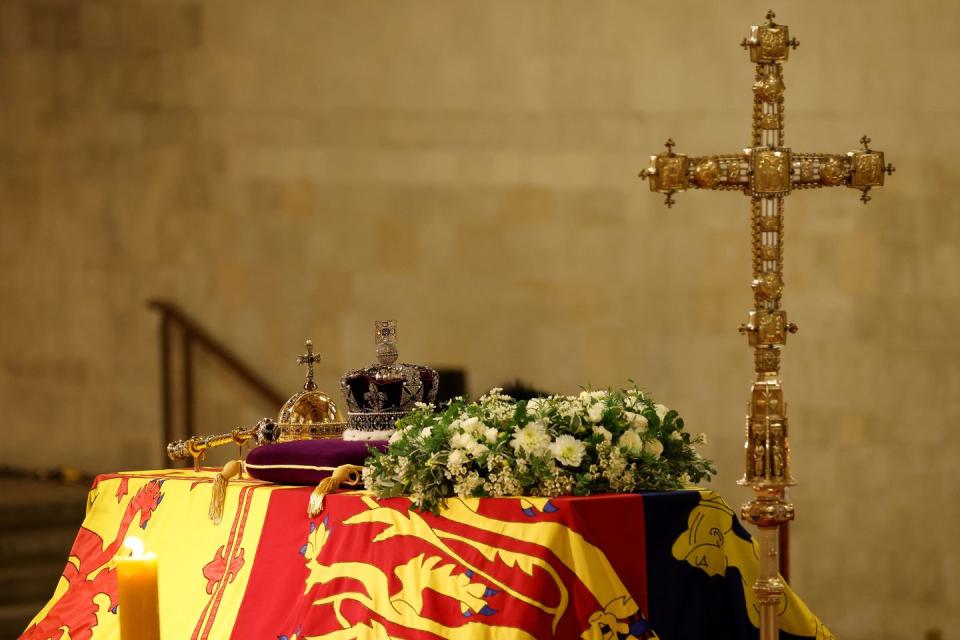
(385,335)
(865,141)
(309,359)
(770,16)
(669,144)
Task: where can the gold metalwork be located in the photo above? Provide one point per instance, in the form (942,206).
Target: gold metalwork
(770,121)
(707,173)
(668,172)
(771,87)
(832,171)
(307,415)
(771,171)
(264,432)
(767,172)
(309,359)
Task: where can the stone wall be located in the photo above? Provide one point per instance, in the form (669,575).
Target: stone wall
(292,169)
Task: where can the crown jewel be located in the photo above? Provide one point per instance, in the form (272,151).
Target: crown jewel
(379,395)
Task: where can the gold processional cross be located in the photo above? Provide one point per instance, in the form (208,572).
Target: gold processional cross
(767,172)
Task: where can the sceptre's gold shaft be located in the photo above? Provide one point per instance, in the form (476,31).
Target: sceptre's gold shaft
(263,432)
(196,447)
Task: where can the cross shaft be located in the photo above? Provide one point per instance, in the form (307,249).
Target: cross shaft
(767,171)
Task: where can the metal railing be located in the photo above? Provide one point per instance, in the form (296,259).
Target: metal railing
(180,331)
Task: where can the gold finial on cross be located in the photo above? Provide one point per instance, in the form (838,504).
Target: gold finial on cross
(770,16)
(309,359)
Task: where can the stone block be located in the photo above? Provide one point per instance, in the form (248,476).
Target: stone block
(54,25)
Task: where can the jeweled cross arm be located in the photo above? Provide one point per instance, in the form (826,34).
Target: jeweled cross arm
(767,171)
(767,168)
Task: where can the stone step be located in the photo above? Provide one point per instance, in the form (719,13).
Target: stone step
(30,583)
(30,505)
(36,545)
(15,617)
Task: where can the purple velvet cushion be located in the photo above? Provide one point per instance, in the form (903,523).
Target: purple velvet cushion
(307,462)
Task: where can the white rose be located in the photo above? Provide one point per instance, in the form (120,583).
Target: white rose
(472,424)
(595,413)
(425,432)
(567,450)
(675,435)
(455,459)
(653,447)
(490,434)
(604,433)
(462,441)
(632,442)
(478,449)
(661,410)
(637,421)
(535,405)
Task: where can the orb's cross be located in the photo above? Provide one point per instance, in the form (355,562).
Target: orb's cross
(309,359)
(767,172)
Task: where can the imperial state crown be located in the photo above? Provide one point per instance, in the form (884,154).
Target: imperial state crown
(379,395)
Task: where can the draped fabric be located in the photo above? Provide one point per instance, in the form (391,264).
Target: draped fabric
(672,565)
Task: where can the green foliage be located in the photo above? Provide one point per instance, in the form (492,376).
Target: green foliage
(596,442)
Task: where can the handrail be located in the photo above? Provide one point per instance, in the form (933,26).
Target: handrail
(194,336)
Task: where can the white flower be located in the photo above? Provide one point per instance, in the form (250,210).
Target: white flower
(490,434)
(568,409)
(675,435)
(462,441)
(595,412)
(477,449)
(568,450)
(535,405)
(631,441)
(636,420)
(661,410)
(455,459)
(593,396)
(533,439)
(653,447)
(425,432)
(604,433)
(472,425)
(684,479)
(702,439)
(396,435)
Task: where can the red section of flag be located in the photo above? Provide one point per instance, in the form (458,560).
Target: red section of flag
(358,578)
(74,615)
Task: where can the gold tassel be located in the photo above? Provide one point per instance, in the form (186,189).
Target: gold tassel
(219,493)
(348,474)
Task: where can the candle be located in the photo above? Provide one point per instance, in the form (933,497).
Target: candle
(137,593)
